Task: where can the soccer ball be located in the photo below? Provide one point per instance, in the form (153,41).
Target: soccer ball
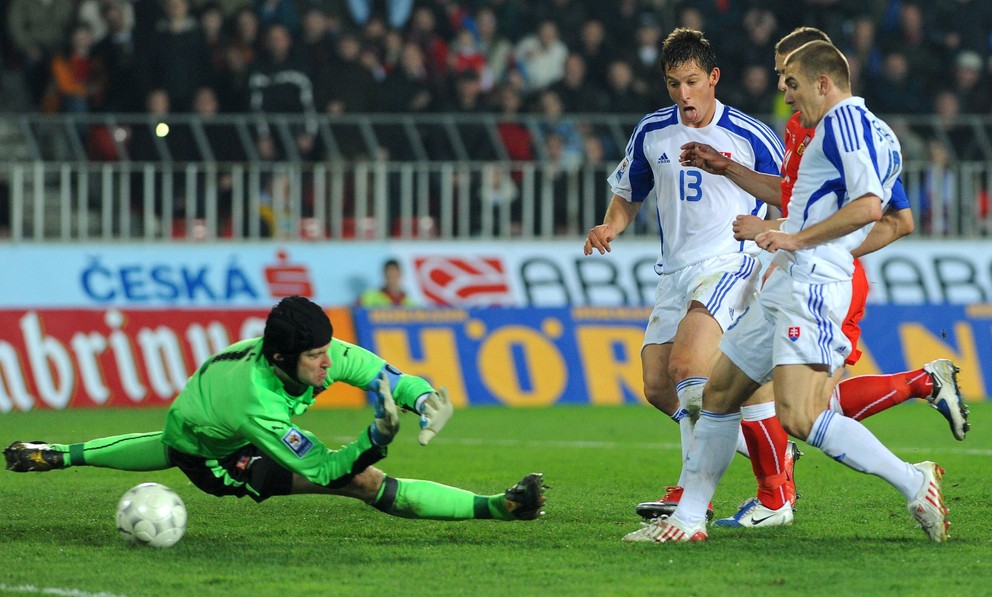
(151,514)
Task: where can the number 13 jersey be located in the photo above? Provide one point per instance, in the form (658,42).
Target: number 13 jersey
(696,210)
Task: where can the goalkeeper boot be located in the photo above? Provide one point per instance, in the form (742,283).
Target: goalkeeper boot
(32,456)
(666,529)
(754,514)
(928,507)
(946,396)
(666,505)
(525,499)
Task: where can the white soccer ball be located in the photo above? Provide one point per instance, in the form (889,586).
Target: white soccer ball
(151,514)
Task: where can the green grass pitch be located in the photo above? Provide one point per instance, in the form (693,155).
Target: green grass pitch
(852,534)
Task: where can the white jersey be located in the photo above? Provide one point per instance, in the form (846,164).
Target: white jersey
(696,209)
(852,154)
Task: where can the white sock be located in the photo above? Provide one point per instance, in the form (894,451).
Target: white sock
(690,391)
(849,442)
(742,445)
(834,403)
(710,455)
(685,432)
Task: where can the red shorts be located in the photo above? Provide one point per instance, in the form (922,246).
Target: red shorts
(859,296)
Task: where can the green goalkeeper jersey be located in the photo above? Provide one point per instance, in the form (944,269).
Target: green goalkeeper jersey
(236,399)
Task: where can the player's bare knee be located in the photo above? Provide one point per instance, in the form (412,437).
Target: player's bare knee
(662,396)
(366,484)
(795,423)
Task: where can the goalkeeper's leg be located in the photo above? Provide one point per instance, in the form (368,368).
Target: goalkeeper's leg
(414,498)
(130,452)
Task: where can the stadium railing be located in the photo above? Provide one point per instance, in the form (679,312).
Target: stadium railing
(449,176)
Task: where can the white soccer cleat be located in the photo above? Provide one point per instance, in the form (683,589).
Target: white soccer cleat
(666,530)
(928,508)
(946,396)
(754,514)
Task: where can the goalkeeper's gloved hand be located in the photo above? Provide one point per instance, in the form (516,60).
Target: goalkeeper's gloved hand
(435,412)
(387,416)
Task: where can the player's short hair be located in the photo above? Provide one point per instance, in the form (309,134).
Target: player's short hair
(798,37)
(683,46)
(822,58)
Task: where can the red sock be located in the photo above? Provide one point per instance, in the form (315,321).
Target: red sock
(766,441)
(863,396)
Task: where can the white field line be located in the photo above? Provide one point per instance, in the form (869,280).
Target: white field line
(612,445)
(33,590)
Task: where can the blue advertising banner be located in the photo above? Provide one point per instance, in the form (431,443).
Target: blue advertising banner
(586,355)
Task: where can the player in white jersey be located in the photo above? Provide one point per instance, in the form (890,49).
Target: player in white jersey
(706,277)
(845,180)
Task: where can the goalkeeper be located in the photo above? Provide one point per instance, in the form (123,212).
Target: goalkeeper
(230,429)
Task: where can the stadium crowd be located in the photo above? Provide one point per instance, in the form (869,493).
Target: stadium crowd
(548,58)
(341,56)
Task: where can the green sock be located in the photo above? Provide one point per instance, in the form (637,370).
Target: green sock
(413,498)
(131,452)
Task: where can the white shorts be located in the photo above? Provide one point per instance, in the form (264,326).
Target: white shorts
(791,323)
(723,285)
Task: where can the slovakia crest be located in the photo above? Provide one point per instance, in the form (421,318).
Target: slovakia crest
(794,333)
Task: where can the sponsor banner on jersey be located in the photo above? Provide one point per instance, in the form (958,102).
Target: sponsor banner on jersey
(522,273)
(62,358)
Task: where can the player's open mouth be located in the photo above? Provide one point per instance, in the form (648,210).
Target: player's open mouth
(689,112)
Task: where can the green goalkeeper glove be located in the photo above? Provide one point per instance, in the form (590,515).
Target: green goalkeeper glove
(435,412)
(387,416)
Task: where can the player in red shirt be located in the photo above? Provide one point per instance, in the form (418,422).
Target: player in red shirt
(857,397)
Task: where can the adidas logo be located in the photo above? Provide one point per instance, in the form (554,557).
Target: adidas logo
(663,159)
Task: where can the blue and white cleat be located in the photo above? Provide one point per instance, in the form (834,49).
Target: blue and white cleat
(946,396)
(753,514)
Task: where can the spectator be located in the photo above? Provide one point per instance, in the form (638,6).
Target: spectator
(497,48)
(433,47)
(623,97)
(278,12)
(621,22)
(596,52)
(214,37)
(345,84)
(232,85)
(116,52)
(515,136)
(898,90)
(541,57)
(246,32)
(78,80)
(316,41)
(649,77)
(961,142)
(964,25)
(37,30)
(970,83)
(93,13)
(407,89)
(568,16)
(466,56)
(177,58)
(397,11)
(863,49)
(391,293)
(919,45)
(553,121)
(754,95)
(576,93)
(279,84)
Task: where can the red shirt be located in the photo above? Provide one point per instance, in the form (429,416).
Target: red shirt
(797,137)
